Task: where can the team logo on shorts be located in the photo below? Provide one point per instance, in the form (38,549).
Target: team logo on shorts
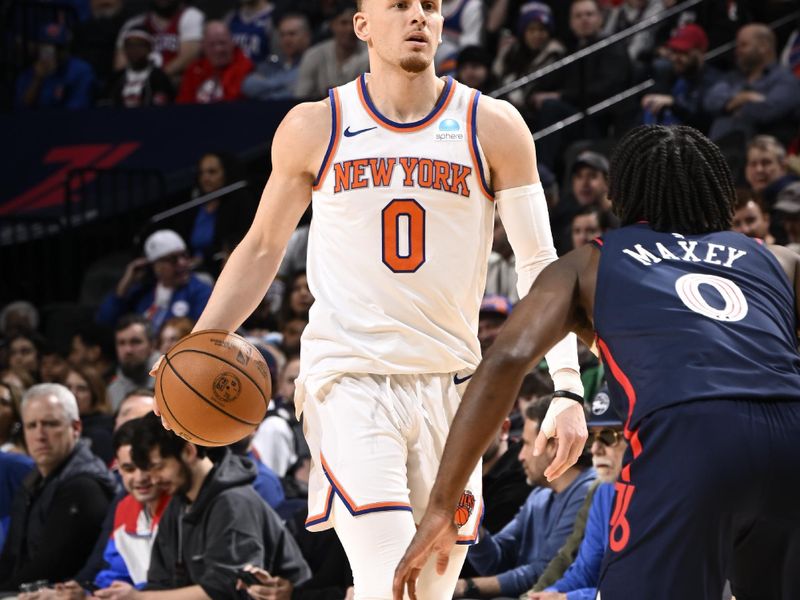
(227,387)
(466,504)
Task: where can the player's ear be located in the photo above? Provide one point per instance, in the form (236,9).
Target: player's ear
(361,26)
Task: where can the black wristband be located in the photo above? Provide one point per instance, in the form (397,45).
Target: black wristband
(570,395)
(472,590)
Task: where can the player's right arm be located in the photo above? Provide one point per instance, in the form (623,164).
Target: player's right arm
(297,153)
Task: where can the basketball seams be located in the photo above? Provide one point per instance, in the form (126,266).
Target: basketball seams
(230,364)
(202,397)
(175,419)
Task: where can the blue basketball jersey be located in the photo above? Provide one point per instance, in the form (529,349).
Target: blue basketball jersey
(252,34)
(691,317)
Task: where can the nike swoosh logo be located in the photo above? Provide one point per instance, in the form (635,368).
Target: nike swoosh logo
(459,380)
(348,133)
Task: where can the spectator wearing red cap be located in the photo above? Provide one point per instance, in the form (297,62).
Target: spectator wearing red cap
(218,75)
(678,99)
(56,79)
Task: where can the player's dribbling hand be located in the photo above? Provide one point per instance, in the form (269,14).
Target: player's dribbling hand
(565,421)
(437,533)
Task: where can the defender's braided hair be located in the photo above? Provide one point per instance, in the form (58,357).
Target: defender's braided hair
(674,178)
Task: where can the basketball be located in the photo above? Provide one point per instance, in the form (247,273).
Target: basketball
(213,388)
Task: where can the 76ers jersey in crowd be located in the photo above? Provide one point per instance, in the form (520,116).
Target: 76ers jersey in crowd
(691,317)
(400,239)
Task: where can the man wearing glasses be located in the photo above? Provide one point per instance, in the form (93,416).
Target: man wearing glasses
(160,285)
(608,445)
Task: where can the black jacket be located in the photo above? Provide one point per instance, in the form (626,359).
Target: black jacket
(55,520)
(229,525)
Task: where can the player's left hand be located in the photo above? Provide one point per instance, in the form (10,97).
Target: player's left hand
(437,533)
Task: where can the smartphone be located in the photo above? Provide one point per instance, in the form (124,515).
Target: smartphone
(247,577)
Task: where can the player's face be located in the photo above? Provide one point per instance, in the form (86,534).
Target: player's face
(534,466)
(589,186)
(136,482)
(405,33)
(584,229)
(750,221)
(607,459)
(762,168)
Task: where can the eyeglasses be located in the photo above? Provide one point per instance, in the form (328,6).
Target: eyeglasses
(607,437)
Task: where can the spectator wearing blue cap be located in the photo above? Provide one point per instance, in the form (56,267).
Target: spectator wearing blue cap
(587,543)
(56,79)
(532,47)
(494,312)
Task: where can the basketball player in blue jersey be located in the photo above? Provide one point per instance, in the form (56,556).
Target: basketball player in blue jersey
(697,327)
(404,170)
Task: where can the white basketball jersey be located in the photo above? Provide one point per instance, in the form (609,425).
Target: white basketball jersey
(399,241)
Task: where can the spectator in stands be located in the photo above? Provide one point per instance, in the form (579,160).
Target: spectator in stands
(513,559)
(219,224)
(463,26)
(57,513)
(14,468)
(750,217)
(589,188)
(679,101)
(141,83)
(581,84)
(575,570)
(228,524)
(759,96)
(93,347)
(298,299)
(335,61)
(11,438)
(136,518)
(276,77)
(767,174)
(24,353)
(586,225)
(492,316)
(504,486)
(216,76)
(501,275)
(532,48)
(56,79)
(267,483)
(136,355)
(17,378)
(177,30)
(274,442)
(94,409)
(474,68)
(18,317)
(176,292)
(536,385)
(53,365)
(95,38)
(788,207)
(135,404)
(172,331)
(251,28)
(627,14)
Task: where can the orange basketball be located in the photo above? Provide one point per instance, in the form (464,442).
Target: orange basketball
(213,388)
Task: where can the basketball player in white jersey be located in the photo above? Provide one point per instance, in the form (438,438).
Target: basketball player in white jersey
(404,170)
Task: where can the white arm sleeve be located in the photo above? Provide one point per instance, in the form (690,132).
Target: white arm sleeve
(523,211)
